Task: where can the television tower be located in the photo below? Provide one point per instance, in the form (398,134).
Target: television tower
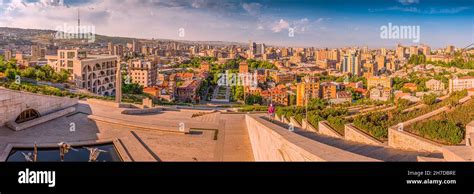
(78,21)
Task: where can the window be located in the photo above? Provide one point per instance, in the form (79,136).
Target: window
(27,115)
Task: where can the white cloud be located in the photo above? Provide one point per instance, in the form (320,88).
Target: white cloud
(129,18)
(299,26)
(252,8)
(453,10)
(281,25)
(407,2)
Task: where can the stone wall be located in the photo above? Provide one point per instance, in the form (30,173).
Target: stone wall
(294,122)
(43,119)
(277,117)
(271,142)
(470,134)
(324,128)
(308,127)
(408,141)
(352,133)
(12,103)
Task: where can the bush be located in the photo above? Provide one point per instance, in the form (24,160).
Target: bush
(376,124)
(443,131)
(337,122)
(429,99)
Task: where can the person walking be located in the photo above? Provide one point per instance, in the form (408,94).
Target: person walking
(271,112)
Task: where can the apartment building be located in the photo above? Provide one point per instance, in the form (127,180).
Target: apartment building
(462,83)
(143,72)
(94,73)
(306,90)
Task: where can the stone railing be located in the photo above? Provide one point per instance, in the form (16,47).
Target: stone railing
(408,141)
(271,142)
(325,129)
(294,122)
(308,127)
(470,134)
(353,133)
(277,117)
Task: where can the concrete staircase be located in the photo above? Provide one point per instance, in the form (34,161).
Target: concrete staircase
(212,117)
(382,152)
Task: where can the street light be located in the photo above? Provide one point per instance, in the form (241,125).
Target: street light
(307,98)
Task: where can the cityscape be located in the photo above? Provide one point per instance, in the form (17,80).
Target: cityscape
(267,83)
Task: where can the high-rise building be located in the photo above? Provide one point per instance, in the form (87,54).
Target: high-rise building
(110,48)
(450,49)
(400,51)
(136,46)
(354,64)
(345,64)
(252,48)
(322,54)
(117,50)
(371,69)
(380,60)
(334,55)
(426,50)
(260,49)
(383,51)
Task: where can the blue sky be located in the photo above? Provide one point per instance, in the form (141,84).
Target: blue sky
(318,23)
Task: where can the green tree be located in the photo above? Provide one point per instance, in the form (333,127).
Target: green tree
(10,74)
(253,99)
(429,99)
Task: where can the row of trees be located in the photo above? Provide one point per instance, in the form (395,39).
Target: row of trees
(377,123)
(449,127)
(458,61)
(318,110)
(39,73)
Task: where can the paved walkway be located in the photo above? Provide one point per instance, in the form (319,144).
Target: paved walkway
(232,143)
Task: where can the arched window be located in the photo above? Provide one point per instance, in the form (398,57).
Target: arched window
(27,115)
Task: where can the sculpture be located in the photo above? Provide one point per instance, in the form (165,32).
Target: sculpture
(94,153)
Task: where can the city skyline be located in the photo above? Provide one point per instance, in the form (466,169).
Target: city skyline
(319,24)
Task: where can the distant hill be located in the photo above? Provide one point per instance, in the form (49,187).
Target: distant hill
(21,36)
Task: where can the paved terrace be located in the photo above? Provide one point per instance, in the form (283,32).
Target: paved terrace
(145,144)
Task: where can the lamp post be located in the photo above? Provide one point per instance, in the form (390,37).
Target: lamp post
(307,99)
